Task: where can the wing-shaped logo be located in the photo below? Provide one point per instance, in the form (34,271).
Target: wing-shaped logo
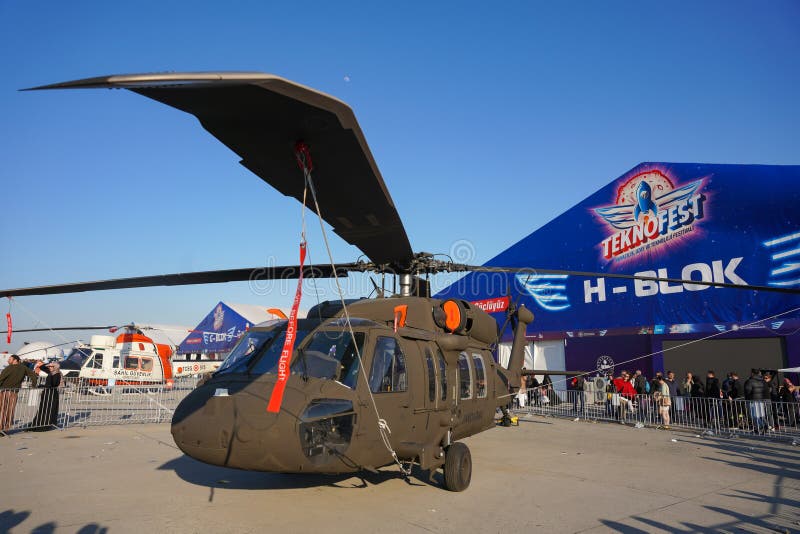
(785,250)
(624,216)
(548,290)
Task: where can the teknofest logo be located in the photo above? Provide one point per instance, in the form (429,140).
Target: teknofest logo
(649,211)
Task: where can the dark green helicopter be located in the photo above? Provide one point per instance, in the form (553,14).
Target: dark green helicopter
(371,382)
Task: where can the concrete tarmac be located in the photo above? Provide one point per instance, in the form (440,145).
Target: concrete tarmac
(545,475)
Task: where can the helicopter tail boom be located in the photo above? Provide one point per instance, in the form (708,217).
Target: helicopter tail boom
(524,317)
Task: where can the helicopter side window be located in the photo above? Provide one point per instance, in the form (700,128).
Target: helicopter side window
(443,375)
(131,362)
(330,355)
(147,364)
(464,376)
(480,376)
(115,363)
(388,367)
(97,361)
(431,376)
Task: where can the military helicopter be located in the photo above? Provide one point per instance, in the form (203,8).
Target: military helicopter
(371,382)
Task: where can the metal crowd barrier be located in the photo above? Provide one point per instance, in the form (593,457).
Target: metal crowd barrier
(722,417)
(81,402)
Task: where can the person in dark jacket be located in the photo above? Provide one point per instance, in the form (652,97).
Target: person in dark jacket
(639,382)
(734,394)
(774,398)
(788,396)
(713,390)
(673,387)
(10,381)
(47,413)
(757,392)
(736,391)
(578,396)
(714,394)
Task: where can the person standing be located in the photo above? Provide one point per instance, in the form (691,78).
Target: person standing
(578,396)
(788,395)
(47,413)
(713,394)
(639,383)
(11,379)
(757,392)
(735,394)
(673,387)
(774,399)
(663,400)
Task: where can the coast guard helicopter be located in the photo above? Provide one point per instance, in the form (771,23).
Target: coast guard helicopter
(370,382)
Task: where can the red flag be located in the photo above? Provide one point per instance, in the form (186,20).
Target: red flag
(276,399)
(8,323)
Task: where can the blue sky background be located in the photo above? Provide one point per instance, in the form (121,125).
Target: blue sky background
(486,120)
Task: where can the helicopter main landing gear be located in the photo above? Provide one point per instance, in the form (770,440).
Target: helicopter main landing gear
(457,467)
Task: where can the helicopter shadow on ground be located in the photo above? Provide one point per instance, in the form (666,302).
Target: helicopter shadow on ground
(10,519)
(212,477)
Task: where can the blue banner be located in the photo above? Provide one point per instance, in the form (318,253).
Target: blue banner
(735,224)
(217,332)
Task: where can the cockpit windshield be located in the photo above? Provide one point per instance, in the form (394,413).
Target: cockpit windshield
(258,351)
(251,345)
(77,357)
(331,355)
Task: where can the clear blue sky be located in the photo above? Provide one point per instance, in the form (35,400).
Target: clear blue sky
(496,117)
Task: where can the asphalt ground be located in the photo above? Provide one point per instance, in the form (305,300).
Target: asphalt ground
(547,474)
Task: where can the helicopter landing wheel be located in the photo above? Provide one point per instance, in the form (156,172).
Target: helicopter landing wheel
(457,467)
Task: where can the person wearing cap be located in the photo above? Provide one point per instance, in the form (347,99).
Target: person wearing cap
(47,413)
(11,379)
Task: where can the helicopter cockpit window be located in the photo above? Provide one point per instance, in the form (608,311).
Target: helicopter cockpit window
(245,350)
(78,356)
(330,355)
(480,376)
(388,367)
(464,376)
(267,361)
(147,364)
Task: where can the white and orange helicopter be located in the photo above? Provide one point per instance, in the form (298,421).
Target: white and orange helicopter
(130,357)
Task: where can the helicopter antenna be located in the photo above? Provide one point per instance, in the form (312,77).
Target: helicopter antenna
(377,290)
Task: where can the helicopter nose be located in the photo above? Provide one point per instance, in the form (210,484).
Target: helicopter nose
(202,425)
(226,424)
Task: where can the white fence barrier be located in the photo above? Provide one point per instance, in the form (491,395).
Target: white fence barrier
(710,415)
(84,403)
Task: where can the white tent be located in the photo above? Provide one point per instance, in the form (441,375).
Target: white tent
(39,350)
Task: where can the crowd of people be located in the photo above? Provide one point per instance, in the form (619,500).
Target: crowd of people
(11,379)
(631,396)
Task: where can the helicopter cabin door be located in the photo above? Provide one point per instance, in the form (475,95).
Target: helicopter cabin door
(394,385)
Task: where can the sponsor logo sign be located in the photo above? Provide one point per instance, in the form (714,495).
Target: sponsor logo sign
(492,305)
(649,211)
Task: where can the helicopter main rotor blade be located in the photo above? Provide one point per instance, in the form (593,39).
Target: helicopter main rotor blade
(588,274)
(261,117)
(181,279)
(57,328)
